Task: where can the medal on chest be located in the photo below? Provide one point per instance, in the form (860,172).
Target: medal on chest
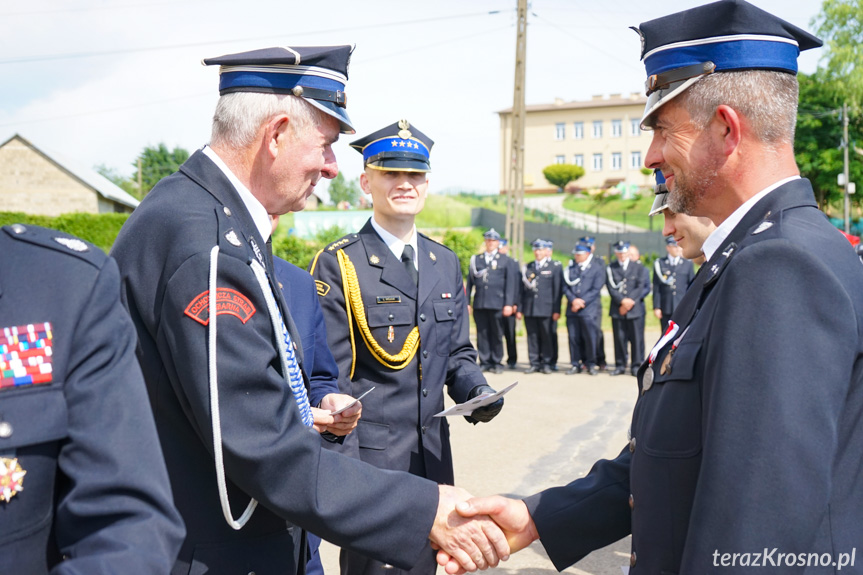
(11,478)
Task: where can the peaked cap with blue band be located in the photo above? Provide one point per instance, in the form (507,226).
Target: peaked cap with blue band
(660,202)
(621,247)
(681,48)
(316,73)
(581,247)
(541,244)
(399,147)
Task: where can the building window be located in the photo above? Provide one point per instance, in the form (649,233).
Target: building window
(597,129)
(635,160)
(578,130)
(616,160)
(597,162)
(616,128)
(635,127)
(559,131)
(578,160)
(559,160)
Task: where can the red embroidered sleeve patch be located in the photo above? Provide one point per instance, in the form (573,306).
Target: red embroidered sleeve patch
(228,301)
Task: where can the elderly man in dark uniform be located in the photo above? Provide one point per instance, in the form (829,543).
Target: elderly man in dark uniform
(83,486)
(394,303)
(746,437)
(582,283)
(540,305)
(221,355)
(627,287)
(671,276)
(490,281)
(509,322)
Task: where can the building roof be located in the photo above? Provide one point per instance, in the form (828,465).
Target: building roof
(595,102)
(87,176)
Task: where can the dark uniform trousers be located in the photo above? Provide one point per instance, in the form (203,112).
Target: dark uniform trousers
(165,254)
(492,288)
(541,298)
(634,283)
(398,429)
(509,323)
(583,327)
(669,284)
(717,453)
(94,496)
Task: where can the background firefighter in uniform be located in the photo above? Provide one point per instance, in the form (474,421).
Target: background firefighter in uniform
(396,314)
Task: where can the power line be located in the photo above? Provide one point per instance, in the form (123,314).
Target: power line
(28,59)
(627,63)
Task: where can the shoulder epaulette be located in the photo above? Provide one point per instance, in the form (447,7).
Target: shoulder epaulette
(57,241)
(340,243)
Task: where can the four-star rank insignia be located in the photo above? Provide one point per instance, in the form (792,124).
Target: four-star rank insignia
(11,478)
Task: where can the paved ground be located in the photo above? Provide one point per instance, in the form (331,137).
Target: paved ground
(552,429)
(554,205)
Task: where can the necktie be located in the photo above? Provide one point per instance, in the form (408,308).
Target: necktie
(408,261)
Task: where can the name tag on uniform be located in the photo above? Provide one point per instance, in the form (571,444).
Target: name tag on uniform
(389,299)
(545,272)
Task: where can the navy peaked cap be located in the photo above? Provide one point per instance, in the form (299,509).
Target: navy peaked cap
(589,240)
(581,247)
(540,243)
(621,246)
(399,147)
(681,48)
(671,241)
(660,202)
(491,235)
(316,73)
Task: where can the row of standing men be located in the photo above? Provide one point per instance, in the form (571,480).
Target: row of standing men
(503,292)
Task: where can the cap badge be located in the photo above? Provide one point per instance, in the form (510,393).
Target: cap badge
(73,244)
(11,478)
(404,133)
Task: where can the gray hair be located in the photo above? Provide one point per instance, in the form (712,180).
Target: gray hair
(239,116)
(767,99)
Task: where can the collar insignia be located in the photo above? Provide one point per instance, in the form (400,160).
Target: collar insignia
(373,259)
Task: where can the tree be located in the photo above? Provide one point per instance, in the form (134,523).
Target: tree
(342,190)
(157,163)
(562,174)
(114,176)
(840,25)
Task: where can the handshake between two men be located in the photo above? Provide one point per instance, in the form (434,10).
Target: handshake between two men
(479,532)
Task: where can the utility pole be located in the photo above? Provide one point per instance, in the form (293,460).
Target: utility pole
(845,145)
(515,187)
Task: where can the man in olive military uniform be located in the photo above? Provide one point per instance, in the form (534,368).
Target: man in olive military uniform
(628,285)
(83,486)
(396,314)
(746,436)
(490,281)
(671,276)
(223,359)
(582,283)
(540,305)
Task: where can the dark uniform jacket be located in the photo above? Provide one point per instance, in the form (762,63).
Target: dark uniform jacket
(670,283)
(633,283)
(164,253)
(542,289)
(750,440)
(493,282)
(585,285)
(298,287)
(95,491)
(398,429)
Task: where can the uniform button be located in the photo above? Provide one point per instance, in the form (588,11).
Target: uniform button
(227,211)
(391,317)
(422,316)
(425,353)
(632,445)
(632,559)
(449,311)
(424,429)
(631,502)
(5,429)
(425,392)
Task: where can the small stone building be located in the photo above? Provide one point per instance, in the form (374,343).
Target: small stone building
(38,183)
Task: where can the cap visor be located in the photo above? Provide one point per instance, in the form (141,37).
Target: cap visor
(399,165)
(663,96)
(660,202)
(337,112)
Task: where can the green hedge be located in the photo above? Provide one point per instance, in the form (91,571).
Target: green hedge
(98,229)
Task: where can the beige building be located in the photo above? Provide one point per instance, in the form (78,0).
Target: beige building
(35,182)
(602,135)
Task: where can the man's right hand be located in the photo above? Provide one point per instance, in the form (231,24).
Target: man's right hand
(511,515)
(658,313)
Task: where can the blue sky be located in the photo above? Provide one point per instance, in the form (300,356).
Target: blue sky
(100,79)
